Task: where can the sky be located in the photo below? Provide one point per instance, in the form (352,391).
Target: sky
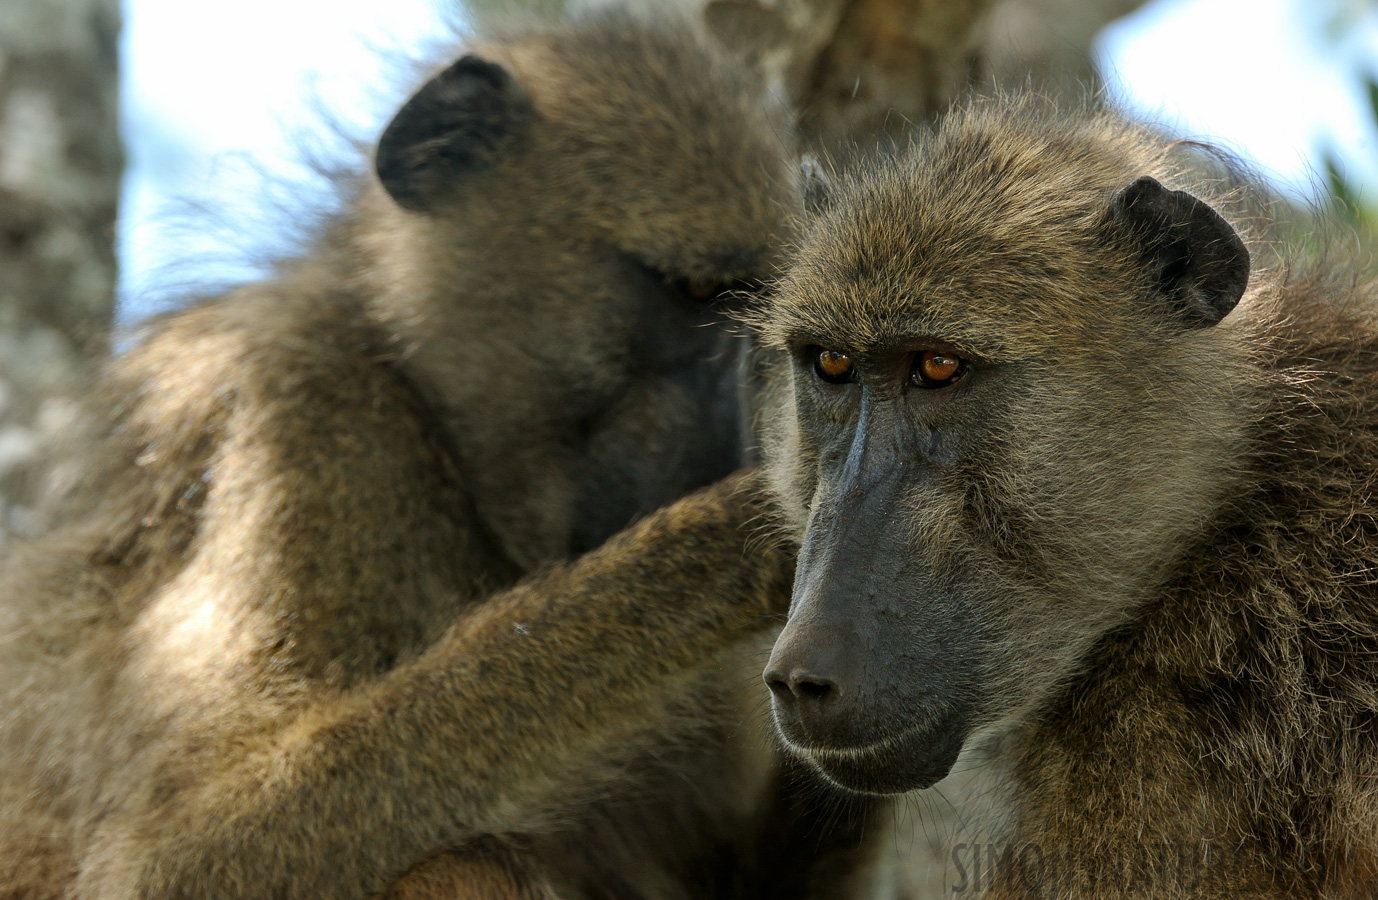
(1278,84)
(220,101)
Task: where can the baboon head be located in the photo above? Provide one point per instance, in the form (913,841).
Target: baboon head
(998,422)
(571,212)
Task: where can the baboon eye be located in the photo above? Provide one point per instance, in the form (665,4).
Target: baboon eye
(935,369)
(833,367)
(702,290)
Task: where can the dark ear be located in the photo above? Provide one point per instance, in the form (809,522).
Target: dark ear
(1199,264)
(818,187)
(453,127)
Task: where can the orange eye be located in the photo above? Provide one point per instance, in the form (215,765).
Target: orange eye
(833,367)
(703,291)
(934,369)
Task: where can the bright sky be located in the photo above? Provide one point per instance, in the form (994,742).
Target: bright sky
(1277,80)
(212,92)
(217,96)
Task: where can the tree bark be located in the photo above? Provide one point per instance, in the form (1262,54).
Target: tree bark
(60,167)
(862,72)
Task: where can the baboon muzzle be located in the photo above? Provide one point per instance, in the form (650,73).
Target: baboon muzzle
(859,676)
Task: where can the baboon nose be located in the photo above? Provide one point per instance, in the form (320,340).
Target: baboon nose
(812,677)
(799,686)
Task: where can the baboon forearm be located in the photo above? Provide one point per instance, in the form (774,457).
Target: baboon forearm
(505,724)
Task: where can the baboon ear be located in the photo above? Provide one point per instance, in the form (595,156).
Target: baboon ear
(1199,263)
(456,125)
(817,186)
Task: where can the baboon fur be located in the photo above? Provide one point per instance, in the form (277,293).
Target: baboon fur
(298,629)
(1132,549)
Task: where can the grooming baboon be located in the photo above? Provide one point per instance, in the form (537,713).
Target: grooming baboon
(1071,475)
(286,639)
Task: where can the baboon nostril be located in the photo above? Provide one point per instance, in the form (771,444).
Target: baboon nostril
(798,685)
(778,684)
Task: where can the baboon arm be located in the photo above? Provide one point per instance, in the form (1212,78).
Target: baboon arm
(521,711)
(476,874)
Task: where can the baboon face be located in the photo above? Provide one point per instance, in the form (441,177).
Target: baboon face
(610,194)
(997,426)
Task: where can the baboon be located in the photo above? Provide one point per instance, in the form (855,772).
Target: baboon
(298,629)
(1083,466)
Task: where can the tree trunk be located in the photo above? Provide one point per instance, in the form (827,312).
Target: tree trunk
(863,71)
(60,168)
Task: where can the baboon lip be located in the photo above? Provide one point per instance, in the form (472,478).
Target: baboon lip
(916,758)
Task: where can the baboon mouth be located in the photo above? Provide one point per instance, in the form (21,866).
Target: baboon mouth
(913,760)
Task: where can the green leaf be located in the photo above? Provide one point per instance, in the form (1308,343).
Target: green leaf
(1340,190)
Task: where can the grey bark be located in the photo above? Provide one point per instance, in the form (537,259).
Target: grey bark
(1049,41)
(860,71)
(60,168)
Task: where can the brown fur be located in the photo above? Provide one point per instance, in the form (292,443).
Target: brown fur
(297,631)
(1151,556)
(484,870)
